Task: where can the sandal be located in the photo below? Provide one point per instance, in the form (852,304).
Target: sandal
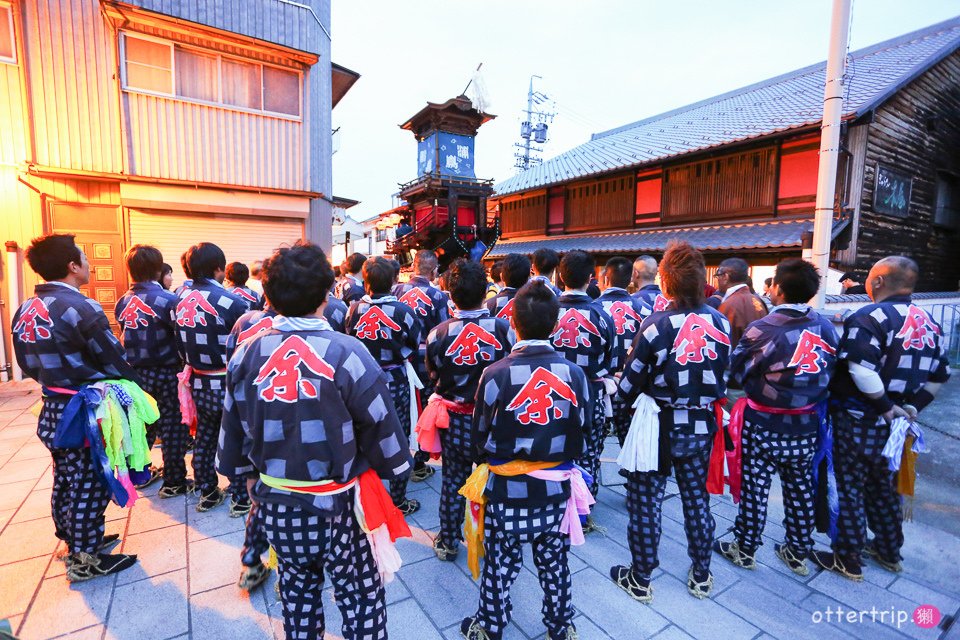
(253,577)
(408,506)
(422,473)
(699,588)
(870,550)
(445,552)
(732,552)
(470,629)
(829,561)
(86,566)
(790,558)
(638,589)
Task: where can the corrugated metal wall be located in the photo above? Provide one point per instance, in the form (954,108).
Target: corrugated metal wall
(13,142)
(268,20)
(242,238)
(179,140)
(71,60)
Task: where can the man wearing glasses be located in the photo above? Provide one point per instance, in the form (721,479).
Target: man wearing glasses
(739,303)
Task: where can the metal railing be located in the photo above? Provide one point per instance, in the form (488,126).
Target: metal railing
(948,317)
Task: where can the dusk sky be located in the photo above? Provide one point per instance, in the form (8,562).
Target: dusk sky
(604,63)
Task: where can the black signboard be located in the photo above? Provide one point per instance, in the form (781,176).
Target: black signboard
(891,193)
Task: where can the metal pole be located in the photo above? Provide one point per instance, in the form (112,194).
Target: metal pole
(526,145)
(830,144)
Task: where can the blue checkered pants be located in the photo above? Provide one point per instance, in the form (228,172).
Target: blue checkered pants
(506,530)
(644,499)
(306,545)
(593,438)
(867,490)
(764,454)
(622,415)
(400,392)
(209,404)
(79,498)
(254,538)
(457,465)
(161,383)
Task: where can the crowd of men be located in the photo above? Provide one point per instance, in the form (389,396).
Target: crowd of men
(305,386)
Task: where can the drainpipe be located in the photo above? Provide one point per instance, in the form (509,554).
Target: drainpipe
(13,303)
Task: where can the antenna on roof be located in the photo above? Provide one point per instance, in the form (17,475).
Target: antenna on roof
(533,128)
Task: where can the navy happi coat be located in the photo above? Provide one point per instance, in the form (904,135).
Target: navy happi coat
(626,314)
(583,335)
(387,327)
(459,349)
(148,327)
(206,312)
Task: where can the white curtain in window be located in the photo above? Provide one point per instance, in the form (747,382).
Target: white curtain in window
(196,75)
(148,65)
(281,91)
(241,83)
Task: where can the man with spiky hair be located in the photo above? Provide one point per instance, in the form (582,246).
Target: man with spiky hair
(679,358)
(62,339)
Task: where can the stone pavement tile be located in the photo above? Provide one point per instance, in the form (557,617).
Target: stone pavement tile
(700,618)
(31,451)
(417,548)
(19,403)
(864,596)
(154,608)
(158,514)
(775,615)
(672,633)
(228,614)
(771,580)
(5,517)
(159,551)
(215,562)
(7,415)
(210,524)
(616,613)
(12,495)
(587,630)
(61,607)
(601,551)
(11,447)
(407,621)
(823,615)
(45,482)
(22,470)
(90,633)
(116,512)
(27,540)
(19,430)
(675,561)
(527,599)
(444,592)
(512,632)
(18,583)
(933,554)
(36,505)
(428,517)
(946,602)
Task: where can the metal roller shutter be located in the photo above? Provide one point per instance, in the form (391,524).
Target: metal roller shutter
(242,238)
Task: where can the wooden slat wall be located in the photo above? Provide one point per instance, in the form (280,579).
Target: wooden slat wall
(13,141)
(600,204)
(916,132)
(738,184)
(524,216)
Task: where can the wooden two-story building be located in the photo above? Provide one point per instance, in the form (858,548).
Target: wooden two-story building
(736,175)
(169,123)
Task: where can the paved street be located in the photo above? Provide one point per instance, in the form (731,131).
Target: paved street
(184,585)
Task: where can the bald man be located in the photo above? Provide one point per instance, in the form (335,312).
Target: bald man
(644,281)
(891,364)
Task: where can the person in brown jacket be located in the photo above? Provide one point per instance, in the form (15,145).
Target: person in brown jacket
(740,304)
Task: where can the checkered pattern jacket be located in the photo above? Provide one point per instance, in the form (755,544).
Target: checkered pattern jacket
(206,312)
(496,304)
(61,338)
(335,312)
(584,335)
(899,341)
(253,299)
(429,303)
(304,402)
(532,405)
(458,350)
(679,358)
(349,290)
(250,324)
(387,327)
(148,327)
(785,360)
(647,297)
(626,314)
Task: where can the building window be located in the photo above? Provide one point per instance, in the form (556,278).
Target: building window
(947,212)
(162,67)
(8,49)
(381,235)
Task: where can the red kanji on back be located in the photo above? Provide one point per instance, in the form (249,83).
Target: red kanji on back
(507,312)
(535,398)
(258,327)
(282,371)
(131,314)
(467,345)
(240,291)
(660,303)
(27,324)
(375,324)
(918,330)
(573,330)
(625,317)
(692,344)
(193,310)
(806,358)
(414,297)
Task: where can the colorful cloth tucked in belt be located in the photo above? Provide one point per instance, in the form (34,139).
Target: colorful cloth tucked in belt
(188,408)
(826,500)
(436,416)
(378,517)
(578,503)
(901,449)
(718,454)
(734,456)
(641,446)
(109,416)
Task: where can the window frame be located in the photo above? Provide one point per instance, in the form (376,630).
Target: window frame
(13,35)
(220,57)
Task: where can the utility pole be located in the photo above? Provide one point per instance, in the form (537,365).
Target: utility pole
(533,129)
(830,144)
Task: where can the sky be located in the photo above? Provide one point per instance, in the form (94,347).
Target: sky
(604,63)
